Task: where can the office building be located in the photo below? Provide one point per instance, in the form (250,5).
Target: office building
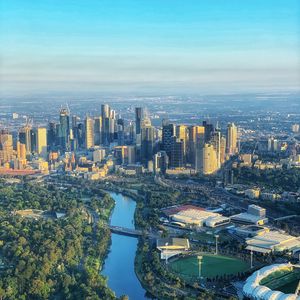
(41,142)
(195,144)
(98,131)
(160,162)
(208,131)
(147,144)
(25,137)
(138,120)
(231,139)
(6,147)
(168,131)
(64,129)
(272,144)
(21,151)
(177,153)
(210,161)
(89,132)
(98,155)
(182,134)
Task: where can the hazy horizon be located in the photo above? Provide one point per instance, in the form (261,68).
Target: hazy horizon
(160,47)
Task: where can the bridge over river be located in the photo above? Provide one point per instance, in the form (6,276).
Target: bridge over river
(130,232)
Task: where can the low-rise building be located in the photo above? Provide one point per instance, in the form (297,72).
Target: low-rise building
(273,241)
(252,193)
(193,216)
(169,247)
(255,215)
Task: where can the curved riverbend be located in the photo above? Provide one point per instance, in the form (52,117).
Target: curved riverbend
(119,265)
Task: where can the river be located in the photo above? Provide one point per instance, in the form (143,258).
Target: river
(119,265)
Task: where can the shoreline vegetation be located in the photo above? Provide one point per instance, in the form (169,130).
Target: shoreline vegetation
(53,258)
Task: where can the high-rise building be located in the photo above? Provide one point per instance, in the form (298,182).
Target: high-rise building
(89,132)
(160,162)
(41,142)
(182,134)
(208,131)
(231,139)
(195,143)
(25,137)
(272,144)
(51,135)
(98,130)
(223,149)
(138,120)
(120,132)
(64,129)
(295,128)
(120,153)
(177,153)
(105,111)
(216,142)
(21,151)
(131,154)
(108,124)
(81,135)
(168,131)
(6,147)
(147,145)
(210,164)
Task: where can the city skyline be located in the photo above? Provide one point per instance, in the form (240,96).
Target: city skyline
(162,47)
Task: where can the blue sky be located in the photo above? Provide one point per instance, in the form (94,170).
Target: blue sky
(159,45)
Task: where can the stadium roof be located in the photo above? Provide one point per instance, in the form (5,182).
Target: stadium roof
(172,210)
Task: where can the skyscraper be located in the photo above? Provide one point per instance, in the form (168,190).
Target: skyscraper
(25,137)
(209,129)
(41,142)
(210,164)
(64,129)
(231,139)
(108,124)
(21,151)
(168,131)
(6,147)
(105,111)
(182,134)
(138,120)
(177,153)
(216,142)
(51,135)
(195,143)
(147,146)
(89,132)
(160,162)
(98,130)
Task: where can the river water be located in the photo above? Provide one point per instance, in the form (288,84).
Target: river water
(119,265)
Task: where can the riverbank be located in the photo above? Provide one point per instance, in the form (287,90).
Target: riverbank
(119,265)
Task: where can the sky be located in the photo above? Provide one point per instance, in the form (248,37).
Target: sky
(154,46)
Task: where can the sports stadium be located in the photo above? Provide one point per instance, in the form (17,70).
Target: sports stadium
(275,282)
(207,265)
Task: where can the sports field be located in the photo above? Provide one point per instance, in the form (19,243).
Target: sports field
(210,266)
(285,281)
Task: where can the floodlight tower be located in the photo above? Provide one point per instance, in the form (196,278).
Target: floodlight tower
(251,257)
(199,258)
(216,236)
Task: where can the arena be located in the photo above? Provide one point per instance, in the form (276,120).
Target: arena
(275,282)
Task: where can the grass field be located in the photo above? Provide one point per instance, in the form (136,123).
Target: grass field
(285,281)
(211,266)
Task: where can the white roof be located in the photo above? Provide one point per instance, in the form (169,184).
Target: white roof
(253,289)
(274,240)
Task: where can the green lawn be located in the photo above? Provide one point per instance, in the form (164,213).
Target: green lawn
(211,266)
